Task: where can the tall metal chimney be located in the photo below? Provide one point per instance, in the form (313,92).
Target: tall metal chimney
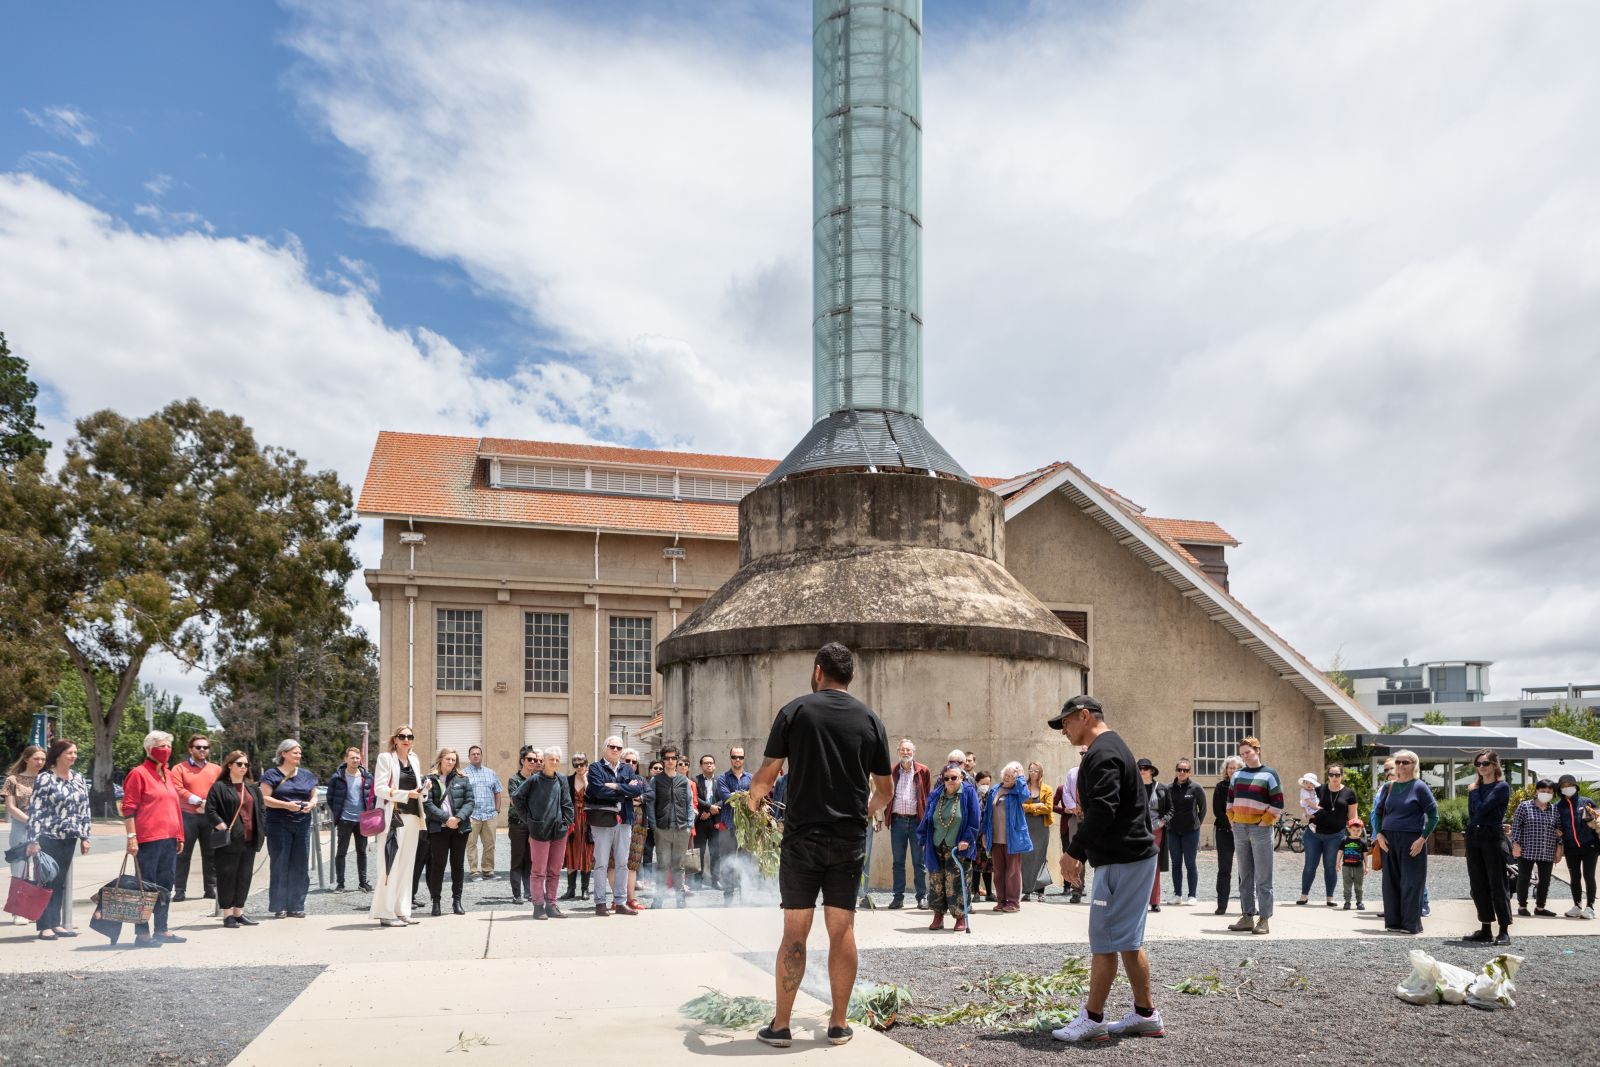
(867,244)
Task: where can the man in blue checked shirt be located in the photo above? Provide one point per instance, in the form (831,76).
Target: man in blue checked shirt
(486,795)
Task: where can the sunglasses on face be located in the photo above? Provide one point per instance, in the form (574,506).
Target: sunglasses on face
(1485,763)
(952,778)
(617,748)
(1183,770)
(1335,774)
(241,763)
(405,737)
(201,748)
(1402,763)
(737,759)
(531,759)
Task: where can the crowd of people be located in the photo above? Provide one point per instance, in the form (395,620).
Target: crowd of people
(622,831)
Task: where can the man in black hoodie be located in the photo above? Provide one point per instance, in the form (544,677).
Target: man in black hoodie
(1115,836)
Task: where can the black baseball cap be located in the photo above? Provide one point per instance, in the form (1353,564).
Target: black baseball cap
(1087,703)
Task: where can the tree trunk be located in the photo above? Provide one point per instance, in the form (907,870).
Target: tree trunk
(105,720)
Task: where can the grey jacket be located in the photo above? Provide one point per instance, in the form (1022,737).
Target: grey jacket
(433,802)
(669,803)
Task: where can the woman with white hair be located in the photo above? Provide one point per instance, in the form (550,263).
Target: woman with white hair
(1408,814)
(289,792)
(1005,829)
(154,818)
(397,783)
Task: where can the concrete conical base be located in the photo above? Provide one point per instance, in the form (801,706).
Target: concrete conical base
(908,572)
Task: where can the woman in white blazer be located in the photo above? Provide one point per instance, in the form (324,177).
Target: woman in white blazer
(397,782)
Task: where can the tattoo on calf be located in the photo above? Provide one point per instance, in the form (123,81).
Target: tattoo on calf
(792,965)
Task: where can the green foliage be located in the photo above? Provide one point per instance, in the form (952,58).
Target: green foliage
(1015,1000)
(311,686)
(1434,717)
(727,1013)
(1577,721)
(127,748)
(176,532)
(1205,985)
(1453,813)
(1339,677)
(19,418)
(876,1005)
(757,834)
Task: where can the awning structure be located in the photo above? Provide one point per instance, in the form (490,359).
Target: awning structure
(1525,754)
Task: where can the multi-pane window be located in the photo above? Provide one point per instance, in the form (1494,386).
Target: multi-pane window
(1216,737)
(544,651)
(631,654)
(460,649)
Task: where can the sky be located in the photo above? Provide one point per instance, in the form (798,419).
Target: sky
(1328,275)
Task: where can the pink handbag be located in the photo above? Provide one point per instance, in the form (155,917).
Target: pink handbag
(372,822)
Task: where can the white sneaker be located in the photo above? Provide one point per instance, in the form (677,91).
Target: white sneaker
(1189,901)
(1574,912)
(1082,1029)
(1135,1025)
(1588,913)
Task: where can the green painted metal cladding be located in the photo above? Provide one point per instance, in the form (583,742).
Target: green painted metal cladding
(867,197)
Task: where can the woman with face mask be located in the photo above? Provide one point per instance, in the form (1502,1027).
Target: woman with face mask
(1535,843)
(1580,841)
(154,819)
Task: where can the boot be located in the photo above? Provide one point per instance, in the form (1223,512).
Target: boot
(1244,925)
(1262,927)
(938,921)
(961,925)
(572,886)
(456,907)
(553,912)
(586,885)
(436,912)
(538,911)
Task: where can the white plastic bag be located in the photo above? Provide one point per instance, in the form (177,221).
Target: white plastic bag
(1421,986)
(1434,982)
(1496,986)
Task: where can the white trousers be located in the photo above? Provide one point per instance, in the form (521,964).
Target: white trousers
(391,894)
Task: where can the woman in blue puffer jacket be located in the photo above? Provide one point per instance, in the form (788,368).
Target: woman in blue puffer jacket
(1005,830)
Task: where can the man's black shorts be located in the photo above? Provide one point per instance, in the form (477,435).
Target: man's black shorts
(821,859)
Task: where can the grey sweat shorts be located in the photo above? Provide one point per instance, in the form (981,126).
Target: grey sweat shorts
(1118,899)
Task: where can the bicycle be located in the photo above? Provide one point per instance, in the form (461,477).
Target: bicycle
(1290,831)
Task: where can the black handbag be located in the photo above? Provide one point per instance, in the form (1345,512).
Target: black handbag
(220,838)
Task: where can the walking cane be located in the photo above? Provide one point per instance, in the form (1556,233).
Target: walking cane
(966,904)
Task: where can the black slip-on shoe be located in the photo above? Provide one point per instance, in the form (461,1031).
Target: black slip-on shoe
(776,1038)
(839,1035)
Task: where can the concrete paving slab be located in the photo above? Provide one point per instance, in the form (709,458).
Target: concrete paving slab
(509,1010)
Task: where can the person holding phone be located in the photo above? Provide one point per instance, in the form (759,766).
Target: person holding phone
(288,791)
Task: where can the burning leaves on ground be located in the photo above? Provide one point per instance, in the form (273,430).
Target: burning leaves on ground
(1015,1001)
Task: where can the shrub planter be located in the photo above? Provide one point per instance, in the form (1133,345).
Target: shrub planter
(1444,843)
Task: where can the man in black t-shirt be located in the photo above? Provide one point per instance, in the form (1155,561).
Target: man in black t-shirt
(835,746)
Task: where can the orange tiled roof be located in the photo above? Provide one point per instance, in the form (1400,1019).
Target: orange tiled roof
(1189,531)
(429,476)
(506,446)
(432,477)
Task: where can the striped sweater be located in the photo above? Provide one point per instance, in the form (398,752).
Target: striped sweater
(1255,797)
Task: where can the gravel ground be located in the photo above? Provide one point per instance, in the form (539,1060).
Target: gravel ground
(1345,1013)
(182,1018)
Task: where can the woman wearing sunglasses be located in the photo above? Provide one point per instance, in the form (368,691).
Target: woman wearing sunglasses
(1487,798)
(1408,814)
(397,782)
(234,804)
(949,836)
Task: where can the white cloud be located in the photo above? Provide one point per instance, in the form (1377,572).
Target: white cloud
(174,220)
(1327,275)
(159,185)
(48,164)
(65,122)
